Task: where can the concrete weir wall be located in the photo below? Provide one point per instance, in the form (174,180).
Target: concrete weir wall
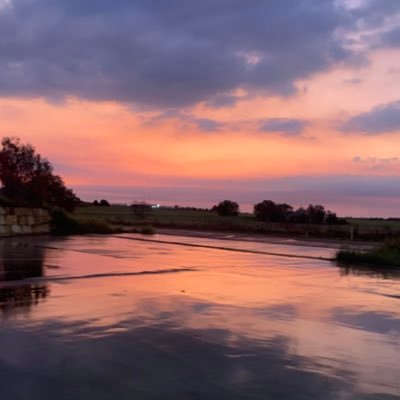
(23,221)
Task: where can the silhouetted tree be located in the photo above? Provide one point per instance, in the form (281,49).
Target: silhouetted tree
(104,203)
(28,178)
(299,216)
(269,211)
(96,203)
(331,218)
(227,208)
(316,214)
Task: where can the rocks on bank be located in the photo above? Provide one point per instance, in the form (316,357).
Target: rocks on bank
(24,221)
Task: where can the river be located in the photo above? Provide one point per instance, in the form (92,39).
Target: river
(113,317)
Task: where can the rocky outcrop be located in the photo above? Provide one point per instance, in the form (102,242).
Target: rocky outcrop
(23,221)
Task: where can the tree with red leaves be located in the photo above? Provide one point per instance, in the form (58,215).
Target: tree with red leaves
(28,178)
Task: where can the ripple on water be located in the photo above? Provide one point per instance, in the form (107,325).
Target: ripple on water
(185,322)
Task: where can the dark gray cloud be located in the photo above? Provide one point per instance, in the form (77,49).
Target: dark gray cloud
(381,119)
(283,125)
(391,38)
(166,54)
(222,100)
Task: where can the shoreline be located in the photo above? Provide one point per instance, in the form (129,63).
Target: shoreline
(267,239)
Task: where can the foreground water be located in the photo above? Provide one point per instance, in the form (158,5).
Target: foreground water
(116,318)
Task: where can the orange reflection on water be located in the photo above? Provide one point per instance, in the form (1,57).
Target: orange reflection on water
(102,286)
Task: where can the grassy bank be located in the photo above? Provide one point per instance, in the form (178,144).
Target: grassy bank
(64,223)
(386,255)
(123,216)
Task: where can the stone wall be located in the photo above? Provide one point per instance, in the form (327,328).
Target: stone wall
(23,221)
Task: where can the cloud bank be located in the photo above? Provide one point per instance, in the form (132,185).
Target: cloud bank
(166,54)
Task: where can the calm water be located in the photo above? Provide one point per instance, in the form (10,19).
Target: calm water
(115,318)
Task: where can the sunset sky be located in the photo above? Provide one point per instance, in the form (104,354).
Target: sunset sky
(190,102)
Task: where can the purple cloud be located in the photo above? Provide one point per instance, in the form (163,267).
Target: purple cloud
(381,119)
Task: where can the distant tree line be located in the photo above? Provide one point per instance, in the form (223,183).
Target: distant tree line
(227,208)
(187,208)
(269,211)
(382,219)
(101,203)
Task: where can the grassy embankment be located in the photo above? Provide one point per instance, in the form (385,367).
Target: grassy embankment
(64,223)
(122,218)
(385,255)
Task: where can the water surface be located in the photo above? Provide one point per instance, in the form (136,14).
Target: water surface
(99,317)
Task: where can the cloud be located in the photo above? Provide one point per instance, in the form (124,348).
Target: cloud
(377,163)
(223,100)
(373,13)
(352,81)
(375,160)
(4,4)
(381,119)
(166,55)
(208,125)
(391,38)
(203,124)
(283,125)
(378,20)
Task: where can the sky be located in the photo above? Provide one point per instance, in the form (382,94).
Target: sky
(192,102)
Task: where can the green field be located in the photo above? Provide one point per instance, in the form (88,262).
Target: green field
(374,223)
(168,217)
(123,216)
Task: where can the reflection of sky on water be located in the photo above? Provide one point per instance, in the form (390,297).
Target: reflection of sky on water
(235,325)
(161,361)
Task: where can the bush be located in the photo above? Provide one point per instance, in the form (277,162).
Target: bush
(147,230)
(65,224)
(269,211)
(227,208)
(91,225)
(316,214)
(386,255)
(62,223)
(141,210)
